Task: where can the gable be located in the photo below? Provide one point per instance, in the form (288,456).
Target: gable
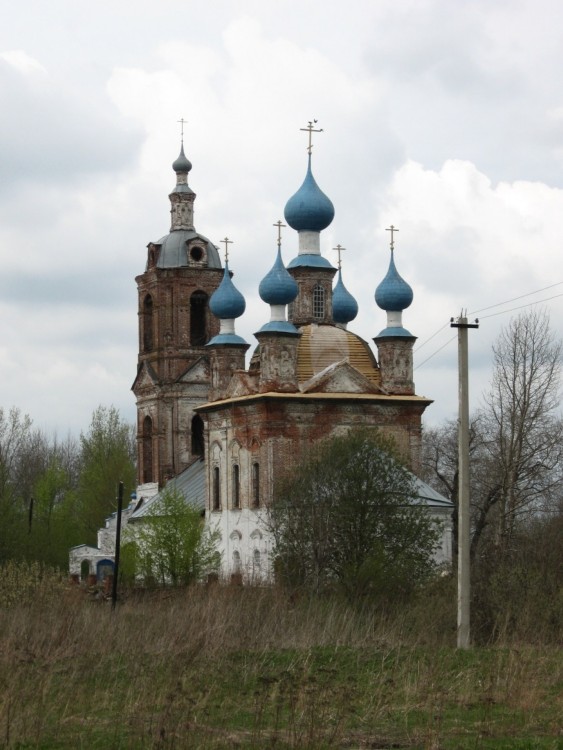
(198,372)
(339,377)
(146,378)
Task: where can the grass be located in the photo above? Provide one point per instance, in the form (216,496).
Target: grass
(252,668)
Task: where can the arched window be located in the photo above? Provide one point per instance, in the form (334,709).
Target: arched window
(198,319)
(148,336)
(256,559)
(236,486)
(318,302)
(216,488)
(198,445)
(236,561)
(255,485)
(147,450)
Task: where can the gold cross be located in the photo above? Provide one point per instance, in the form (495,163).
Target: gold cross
(227,242)
(279,225)
(339,249)
(392,229)
(311,129)
(182,123)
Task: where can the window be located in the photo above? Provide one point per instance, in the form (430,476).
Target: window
(148,341)
(255,485)
(198,319)
(198,445)
(196,253)
(236,486)
(256,560)
(236,561)
(318,302)
(216,489)
(147,450)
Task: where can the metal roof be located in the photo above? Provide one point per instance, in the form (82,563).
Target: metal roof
(427,495)
(322,345)
(192,485)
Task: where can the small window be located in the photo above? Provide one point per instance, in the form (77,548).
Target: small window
(236,486)
(196,253)
(147,449)
(236,561)
(198,446)
(318,302)
(255,485)
(148,341)
(256,559)
(216,489)
(198,318)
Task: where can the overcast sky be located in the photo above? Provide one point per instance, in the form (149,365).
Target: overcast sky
(442,117)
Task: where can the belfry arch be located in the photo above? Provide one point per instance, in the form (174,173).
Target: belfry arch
(198,318)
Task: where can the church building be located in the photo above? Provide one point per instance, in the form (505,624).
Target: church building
(222,432)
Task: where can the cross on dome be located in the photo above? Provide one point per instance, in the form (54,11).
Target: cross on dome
(182,123)
(227,242)
(279,225)
(311,129)
(392,229)
(339,249)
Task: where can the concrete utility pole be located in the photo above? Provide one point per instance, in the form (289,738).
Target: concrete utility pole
(463,528)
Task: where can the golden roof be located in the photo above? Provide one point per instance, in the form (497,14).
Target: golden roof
(323,345)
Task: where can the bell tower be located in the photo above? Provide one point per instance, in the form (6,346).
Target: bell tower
(182,271)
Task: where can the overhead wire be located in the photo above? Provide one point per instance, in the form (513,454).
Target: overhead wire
(491,315)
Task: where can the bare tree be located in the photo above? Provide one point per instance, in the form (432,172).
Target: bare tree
(516,444)
(524,427)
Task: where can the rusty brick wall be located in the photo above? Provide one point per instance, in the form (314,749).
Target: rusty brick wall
(277,432)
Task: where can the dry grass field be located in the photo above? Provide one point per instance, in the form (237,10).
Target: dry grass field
(231,667)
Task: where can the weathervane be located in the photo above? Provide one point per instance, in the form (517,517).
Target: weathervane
(392,229)
(339,249)
(279,225)
(227,242)
(311,129)
(182,123)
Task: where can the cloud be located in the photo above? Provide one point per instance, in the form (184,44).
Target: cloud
(21,61)
(50,133)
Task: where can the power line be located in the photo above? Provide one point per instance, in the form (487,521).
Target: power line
(520,307)
(492,315)
(436,352)
(506,302)
(419,347)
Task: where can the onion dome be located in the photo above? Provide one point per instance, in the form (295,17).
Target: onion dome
(278,287)
(344,306)
(182,163)
(309,209)
(393,294)
(226,301)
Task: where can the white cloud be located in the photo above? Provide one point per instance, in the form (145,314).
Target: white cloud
(21,61)
(434,121)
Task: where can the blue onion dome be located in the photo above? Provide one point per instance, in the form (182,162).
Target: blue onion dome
(182,163)
(393,294)
(226,301)
(278,287)
(309,209)
(344,306)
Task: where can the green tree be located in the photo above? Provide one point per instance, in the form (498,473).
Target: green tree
(21,456)
(107,456)
(173,546)
(347,517)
